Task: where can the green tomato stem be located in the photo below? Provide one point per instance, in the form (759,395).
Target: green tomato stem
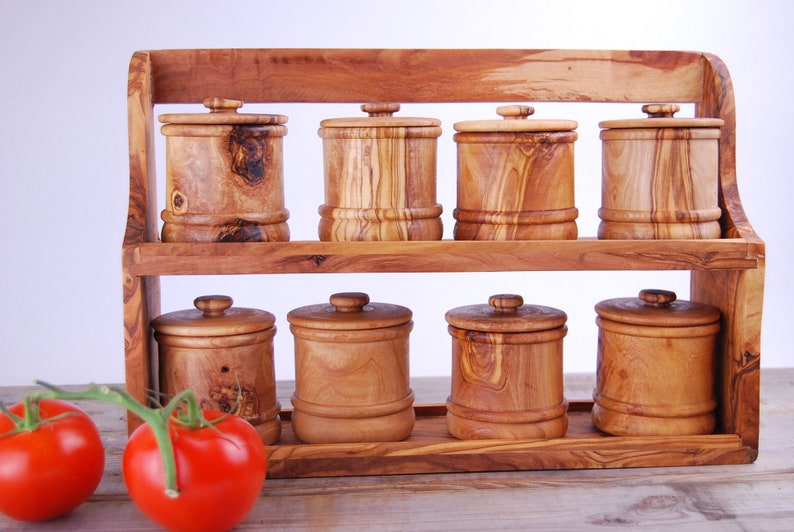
(19,422)
(30,419)
(156,418)
(30,413)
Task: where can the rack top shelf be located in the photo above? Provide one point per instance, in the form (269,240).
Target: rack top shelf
(390,75)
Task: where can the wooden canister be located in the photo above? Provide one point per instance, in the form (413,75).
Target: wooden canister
(380,177)
(224,176)
(507,371)
(515,178)
(352,380)
(655,373)
(225,355)
(660,176)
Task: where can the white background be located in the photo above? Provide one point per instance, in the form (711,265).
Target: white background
(63,160)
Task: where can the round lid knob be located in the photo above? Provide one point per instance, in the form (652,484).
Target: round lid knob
(213,305)
(380,109)
(349,301)
(506,303)
(657,298)
(515,112)
(222,105)
(657,110)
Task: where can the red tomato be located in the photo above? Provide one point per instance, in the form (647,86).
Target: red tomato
(220,473)
(53,469)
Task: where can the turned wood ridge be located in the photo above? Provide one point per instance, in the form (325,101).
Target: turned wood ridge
(727,273)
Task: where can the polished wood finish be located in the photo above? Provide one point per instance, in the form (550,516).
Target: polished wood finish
(660,176)
(380,177)
(742,497)
(493,256)
(224,176)
(727,272)
(507,371)
(515,178)
(352,382)
(656,360)
(225,355)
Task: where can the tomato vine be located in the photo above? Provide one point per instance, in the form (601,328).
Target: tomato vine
(182,408)
(185,468)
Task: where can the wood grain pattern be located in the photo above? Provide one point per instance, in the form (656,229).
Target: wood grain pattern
(655,384)
(727,272)
(739,295)
(141,303)
(224,176)
(742,497)
(507,386)
(141,217)
(352,382)
(225,355)
(506,371)
(659,183)
(380,177)
(718,101)
(655,365)
(356,75)
(452,256)
(515,186)
(141,294)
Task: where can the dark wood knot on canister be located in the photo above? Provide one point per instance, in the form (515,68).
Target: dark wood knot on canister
(225,355)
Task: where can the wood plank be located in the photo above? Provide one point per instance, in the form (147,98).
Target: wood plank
(142,220)
(141,304)
(732,497)
(718,101)
(439,256)
(141,295)
(430,449)
(385,75)
(739,296)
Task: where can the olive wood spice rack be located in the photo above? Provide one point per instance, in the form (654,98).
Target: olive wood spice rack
(727,273)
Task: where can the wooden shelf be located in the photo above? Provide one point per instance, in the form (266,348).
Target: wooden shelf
(440,256)
(430,449)
(727,273)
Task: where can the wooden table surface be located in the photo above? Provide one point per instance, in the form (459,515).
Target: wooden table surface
(754,497)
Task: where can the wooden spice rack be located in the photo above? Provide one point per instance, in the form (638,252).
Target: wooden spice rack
(727,272)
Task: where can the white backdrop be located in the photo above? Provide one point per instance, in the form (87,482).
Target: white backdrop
(63,160)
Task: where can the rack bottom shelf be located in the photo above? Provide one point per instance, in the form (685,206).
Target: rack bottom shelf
(430,449)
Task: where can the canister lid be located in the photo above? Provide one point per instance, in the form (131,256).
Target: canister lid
(213,316)
(380,115)
(657,308)
(349,311)
(660,115)
(506,313)
(222,112)
(515,119)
